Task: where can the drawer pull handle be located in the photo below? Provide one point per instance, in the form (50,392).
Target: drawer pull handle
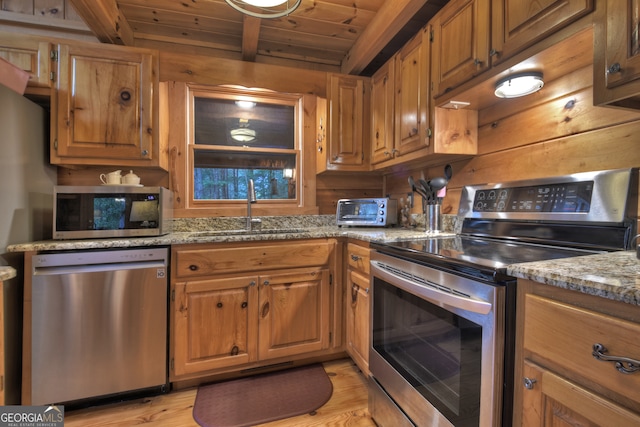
(623,364)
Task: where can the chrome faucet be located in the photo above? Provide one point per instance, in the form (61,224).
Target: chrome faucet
(252,223)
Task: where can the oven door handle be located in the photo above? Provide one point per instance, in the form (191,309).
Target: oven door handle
(431,293)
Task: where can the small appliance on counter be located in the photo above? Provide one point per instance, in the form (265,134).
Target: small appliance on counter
(92,212)
(376,212)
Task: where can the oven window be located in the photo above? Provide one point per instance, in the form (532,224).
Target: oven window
(438,352)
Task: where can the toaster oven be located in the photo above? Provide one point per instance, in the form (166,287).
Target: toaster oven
(376,212)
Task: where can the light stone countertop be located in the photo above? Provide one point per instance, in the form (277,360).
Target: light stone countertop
(614,275)
(222,236)
(7,273)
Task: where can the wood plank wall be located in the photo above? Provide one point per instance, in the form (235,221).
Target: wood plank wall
(556,131)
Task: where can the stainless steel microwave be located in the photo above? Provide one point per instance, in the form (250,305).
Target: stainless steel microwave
(90,212)
(377,212)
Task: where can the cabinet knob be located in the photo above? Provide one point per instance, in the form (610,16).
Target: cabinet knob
(252,283)
(493,52)
(614,68)
(145,153)
(477,62)
(266,283)
(354,257)
(528,383)
(193,267)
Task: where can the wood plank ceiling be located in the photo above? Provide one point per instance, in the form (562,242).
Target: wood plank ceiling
(348,36)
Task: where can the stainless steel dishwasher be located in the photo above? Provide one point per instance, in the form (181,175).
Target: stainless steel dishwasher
(99,323)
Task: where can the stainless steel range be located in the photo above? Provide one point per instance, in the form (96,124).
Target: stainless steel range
(443,308)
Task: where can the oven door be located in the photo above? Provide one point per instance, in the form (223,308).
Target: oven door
(437,343)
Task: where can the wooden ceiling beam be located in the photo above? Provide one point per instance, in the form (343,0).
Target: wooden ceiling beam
(389,20)
(250,36)
(104,19)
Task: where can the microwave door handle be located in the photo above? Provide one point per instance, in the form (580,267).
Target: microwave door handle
(433,295)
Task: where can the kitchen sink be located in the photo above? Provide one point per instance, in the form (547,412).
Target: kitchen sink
(242,232)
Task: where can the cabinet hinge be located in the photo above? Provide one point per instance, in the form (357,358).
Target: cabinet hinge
(1,382)
(330,279)
(52,76)
(53,54)
(431,36)
(173,295)
(55,144)
(172,364)
(330,337)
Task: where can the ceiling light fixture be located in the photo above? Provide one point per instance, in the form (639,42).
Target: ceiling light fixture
(520,84)
(243,134)
(265,8)
(245,104)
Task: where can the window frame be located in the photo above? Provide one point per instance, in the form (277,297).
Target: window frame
(304,110)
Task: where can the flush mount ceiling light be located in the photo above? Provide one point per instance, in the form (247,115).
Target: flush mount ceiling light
(520,84)
(245,104)
(243,134)
(265,8)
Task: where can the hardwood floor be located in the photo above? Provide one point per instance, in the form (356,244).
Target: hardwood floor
(347,406)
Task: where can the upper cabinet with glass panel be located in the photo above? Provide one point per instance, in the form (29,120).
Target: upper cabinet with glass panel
(236,137)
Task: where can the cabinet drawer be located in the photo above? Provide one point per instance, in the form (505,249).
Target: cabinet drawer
(565,334)
(358,257)
(206,261)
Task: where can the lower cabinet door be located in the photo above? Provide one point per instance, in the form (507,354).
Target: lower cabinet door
(358,323)
(215,324)
(551,400)
(293,312)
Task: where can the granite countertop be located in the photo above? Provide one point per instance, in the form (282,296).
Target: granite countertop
(7,273)
(220,236)
(613,275)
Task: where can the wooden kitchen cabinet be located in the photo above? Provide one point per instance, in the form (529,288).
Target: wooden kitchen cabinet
(294,310)
(358,303)
(383,113)
(471,36)
(616,64)
(413,97)
(241,305)
(348,112)
(30,54)
(558,380)
(106,107)
(215,324)
(517,24)
(461,40)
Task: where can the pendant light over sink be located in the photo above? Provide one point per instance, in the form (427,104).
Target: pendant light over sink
(520,84)
(265,8)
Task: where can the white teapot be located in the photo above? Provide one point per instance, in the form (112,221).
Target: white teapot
(131,179)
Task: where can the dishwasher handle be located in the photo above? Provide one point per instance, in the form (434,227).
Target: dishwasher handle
(94,268)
